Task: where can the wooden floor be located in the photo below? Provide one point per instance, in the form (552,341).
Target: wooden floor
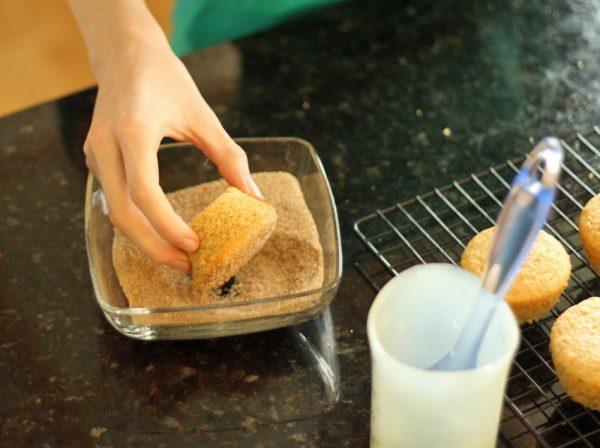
(42,55)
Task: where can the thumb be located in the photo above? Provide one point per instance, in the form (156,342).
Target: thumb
(232,163)
(231,160)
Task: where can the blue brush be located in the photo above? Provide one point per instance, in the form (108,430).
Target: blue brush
(523,215)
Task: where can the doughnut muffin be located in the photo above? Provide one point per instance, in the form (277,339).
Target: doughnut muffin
(575,348)
(589,231)
(231,230)
(540,281)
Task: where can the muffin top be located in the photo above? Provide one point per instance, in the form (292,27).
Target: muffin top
(589,221)
(545,271)
(575,341)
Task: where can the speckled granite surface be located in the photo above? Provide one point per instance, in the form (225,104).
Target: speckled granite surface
(397,97)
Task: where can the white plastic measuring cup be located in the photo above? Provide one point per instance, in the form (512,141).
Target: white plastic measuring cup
(414,320)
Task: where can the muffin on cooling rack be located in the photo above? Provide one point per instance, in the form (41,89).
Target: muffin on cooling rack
(540,281)
(575,348)
(589,231)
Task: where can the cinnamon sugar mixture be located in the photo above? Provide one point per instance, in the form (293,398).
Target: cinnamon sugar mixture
(291,261)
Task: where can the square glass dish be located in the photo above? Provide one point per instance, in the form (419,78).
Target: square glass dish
(182,165)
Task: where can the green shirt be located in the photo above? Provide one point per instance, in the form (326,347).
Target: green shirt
(201,23)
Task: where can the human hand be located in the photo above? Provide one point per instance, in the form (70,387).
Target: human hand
(145,93)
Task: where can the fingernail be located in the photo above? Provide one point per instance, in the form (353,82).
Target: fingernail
(180,265)
(253,188)
(189,244)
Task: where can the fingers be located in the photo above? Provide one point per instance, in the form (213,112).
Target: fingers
(124,213)
(208,134)
(139,149)
(125,160)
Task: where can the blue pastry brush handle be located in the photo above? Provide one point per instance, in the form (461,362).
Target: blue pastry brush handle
(523,215)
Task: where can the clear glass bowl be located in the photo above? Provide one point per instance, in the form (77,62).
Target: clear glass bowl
(182,165)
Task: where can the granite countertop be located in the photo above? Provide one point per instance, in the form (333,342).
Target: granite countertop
(397,98)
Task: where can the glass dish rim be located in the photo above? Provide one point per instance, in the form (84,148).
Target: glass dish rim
(231,305)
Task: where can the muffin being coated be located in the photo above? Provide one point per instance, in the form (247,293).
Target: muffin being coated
(231,230)
(575,348)
(589,231)
(540,281)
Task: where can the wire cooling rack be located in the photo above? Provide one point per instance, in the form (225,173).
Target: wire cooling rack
(435,227)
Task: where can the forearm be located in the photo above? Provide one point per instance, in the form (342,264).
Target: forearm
(111,28)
